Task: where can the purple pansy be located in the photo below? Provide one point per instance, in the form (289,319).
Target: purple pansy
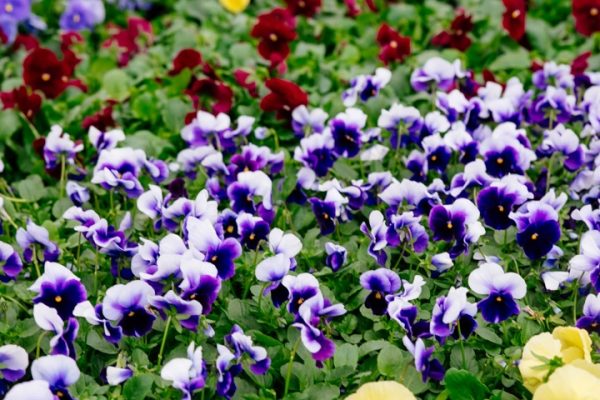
(59,371)
(317,152)
(336,255)
(404,124)
(502,290)
(325,213)
(453,315)
(566,142)
(186,374)
(377,233)
(105,140)
(498,200)
(188,311)
(381,283)
(77,193)
(505,152)
(13,365)
(436,73)
(538,229)
(127,305)
(429,369)
(47,318)
(200,282)
(591,314)
(10,261)
(58,145)
(346,129)
(116,376)
(585,267)
(300,288)
(249,185)
(205,129)
(364,87)
(305,121)
(252,230)
(35,242)
(82,14)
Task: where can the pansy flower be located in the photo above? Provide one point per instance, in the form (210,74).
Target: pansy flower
(457,36)
(317,152)
(453,315)
(275,29)
(253,230)
(130,40)
(538,229)
(429,368)
(377,233)
(364,87)
(505,152)
(105,139)
(10,262)
(22,99)
(60,289)
(59,146)
(336,255)
(585,266)
(381,283)
(300,288)
(590,320)
(36,244)
(248,186)
(13,365)
(564,141)
(284,98)
(77,194)
(498,200)
(513,18)
(305,121)
(82,14)
(346,132)
(47,318)
(58,371)
(437,73)
(457,223)
(394,47)
(587,16)
(43,71)
(404,123)
(25,390)
(127,305)
(308,8)
(186,374)
(405,229)
(502,290)
(325,213)
(187,311)
(200,282)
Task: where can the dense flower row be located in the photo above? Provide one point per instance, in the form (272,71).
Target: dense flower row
(264,238)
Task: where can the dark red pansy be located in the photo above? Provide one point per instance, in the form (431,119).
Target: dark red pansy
(211,95)
(275,29)
(130,40)
(587,16)
(457,36)
(352,8)
(186,58)
(102,120)
(488,76)
(513,19)
(285,96)
(29,103)
(536,65)
(308,8)
(42,70)
(241,78)
(3,37)
(28,42)
(371,5)
(580,63)
(67,41)
(393,46)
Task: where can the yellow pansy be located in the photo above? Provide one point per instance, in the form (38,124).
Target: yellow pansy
(235,6)
(533,369)
(579,380)
(576,343)
(383,390)
(567,343)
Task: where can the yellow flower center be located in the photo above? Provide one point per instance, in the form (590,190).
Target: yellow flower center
(252,236)
(214,258)
(516,14)
(58,299)
(534,236)
(593,11)
(325,216)
(378,295)
(273,37)
(131,313)
(46,77)
(8,8)
(76,18)
(498,299)
(301,4)
(449,225)
(193,296)
(393,44)
(433,158)
(300,301)
(501,208)
(229,229)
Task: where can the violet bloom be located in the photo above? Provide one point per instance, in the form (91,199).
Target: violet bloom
(187,311)
(473,175)
(77,193)
(457,222)
(538,229)
(502,290)
(590,320)
(415,194)
(252,230)
(498,200)
(127,305)
(404,123)
(564,141)
(452,104)
(436,73)
(222,253)
(36,244)
(95,316)
(59,371)
(205,129)
(13,365)
(553,74)
(305,121)
(405,229)
(310,315)
(553,106)
(249,185)
(364,87)
(453,315)
(60,289)
(346,132)
(300,288)
(30,390)
(405,314)
(47,318)
(377,234)
(336,255)
(10,262)
(15,10)
(505,153)
(59,146)
(461,141)
(380,283)
(325,213)
(317,152)
(105,140)
(442,262)
(186,374)
(115,376)
(429,369)
(254,158)
(585,267)
(437,152)
(82,14)
(200,282)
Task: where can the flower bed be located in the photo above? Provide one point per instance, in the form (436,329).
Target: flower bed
(299,199)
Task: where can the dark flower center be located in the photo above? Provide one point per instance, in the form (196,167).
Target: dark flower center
(449,225)
(252,236)
(325,216)
(378,295)
(300,301)
(214,259)
(301,4)
(131,314)
(433,158)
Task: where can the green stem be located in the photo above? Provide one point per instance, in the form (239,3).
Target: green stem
(78,251)
(96,268)
(39,344)
(575,293)
(261,295)
(63,175)
(288,374)
(164,340)
(462,347)
(15,199)
(35,262)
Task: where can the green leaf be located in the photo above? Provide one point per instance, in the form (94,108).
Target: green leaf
(152,145)
(515,59)
(463,385)
(173,114)
(9,123)
(489,335)
(138,387)
(390,361)
(116,84)
(31,188)
(97,342)
(346,355)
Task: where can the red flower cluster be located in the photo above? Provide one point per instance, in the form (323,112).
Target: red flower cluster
(394,47)
(275,29)
(102,120)
(130,40)
(241,78)
(285,96)
(186,58)
(457,36)
(513,19)
(27,102)
(587,16)
(43,71)
(308,8)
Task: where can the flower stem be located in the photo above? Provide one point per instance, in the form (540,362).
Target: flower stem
(462,347)
(35,262)
(63,175)
(288,374)
(261,295)
(39,344)
(164,340)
